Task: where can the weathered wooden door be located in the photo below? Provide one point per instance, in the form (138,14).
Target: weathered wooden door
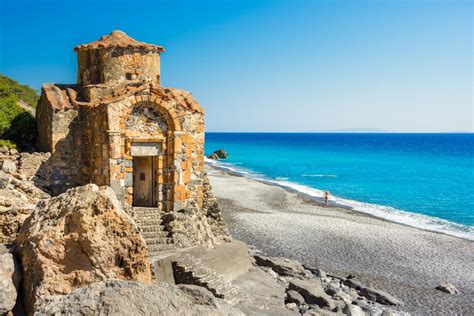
(143,182)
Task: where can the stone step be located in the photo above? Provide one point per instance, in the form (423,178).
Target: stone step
(150,222)
(147,214)
(157,241)
(154,234)
(151,228)
(156,248)
(206,277)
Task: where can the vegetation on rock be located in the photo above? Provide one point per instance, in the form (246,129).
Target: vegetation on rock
(16,124)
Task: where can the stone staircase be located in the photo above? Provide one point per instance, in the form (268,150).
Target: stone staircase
(149,222)
(190,270)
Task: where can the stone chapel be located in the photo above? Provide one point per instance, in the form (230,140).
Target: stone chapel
(118,127)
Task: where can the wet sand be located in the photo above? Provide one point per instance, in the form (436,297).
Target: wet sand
(404,261)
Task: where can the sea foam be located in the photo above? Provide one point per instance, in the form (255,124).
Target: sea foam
(384,212)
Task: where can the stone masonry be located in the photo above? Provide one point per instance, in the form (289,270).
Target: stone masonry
(98,129)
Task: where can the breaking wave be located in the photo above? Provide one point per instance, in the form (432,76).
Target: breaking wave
(385,212)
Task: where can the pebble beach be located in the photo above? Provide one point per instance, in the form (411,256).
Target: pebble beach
(404,261)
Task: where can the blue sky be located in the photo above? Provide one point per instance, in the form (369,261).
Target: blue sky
(402,66)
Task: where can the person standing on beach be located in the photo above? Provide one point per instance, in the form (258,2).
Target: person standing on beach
(326,197)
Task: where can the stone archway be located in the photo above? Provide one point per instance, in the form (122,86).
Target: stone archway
(149,138)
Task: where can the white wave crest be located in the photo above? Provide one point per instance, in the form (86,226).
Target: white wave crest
(321,175)
(385,212)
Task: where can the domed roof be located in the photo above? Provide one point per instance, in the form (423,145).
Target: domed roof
(118,39)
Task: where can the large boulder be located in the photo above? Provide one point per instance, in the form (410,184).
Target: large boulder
(115,297)
(77,238)
(10,277)
(18,198)
(312,291)
(218,154)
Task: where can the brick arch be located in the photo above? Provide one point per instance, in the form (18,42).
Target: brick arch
(160,105)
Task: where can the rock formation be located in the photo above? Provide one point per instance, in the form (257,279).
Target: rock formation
(107,298)
(18,194)
(80,237)
(218,154)
(10,278)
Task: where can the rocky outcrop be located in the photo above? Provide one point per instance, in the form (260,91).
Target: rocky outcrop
(18,198)
(116,297)
(218,154)
(309,291)
(189,227)
(77,238)
(198,226)
(312,292)
(213,213)
(10,277)
(373,294)
(282,266)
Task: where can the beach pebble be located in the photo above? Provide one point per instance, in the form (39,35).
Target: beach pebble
(447,288)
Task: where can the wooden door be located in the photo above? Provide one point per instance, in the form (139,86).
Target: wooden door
(143,181)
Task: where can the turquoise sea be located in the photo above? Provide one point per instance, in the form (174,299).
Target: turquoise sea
(422,180)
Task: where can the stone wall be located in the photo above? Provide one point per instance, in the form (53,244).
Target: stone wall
(91,142)
(117,66)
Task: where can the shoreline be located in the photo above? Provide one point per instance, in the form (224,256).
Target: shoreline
(402,260)
(335,204)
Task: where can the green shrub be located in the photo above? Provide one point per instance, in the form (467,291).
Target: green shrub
(16,124)
(7,143)
(23,92)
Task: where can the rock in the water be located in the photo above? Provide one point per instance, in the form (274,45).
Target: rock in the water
(8,166)
(77,238)
(312,292)
(218,154)
(282,266)
(117,297)
(10,277)
(294,297)
(447,288)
